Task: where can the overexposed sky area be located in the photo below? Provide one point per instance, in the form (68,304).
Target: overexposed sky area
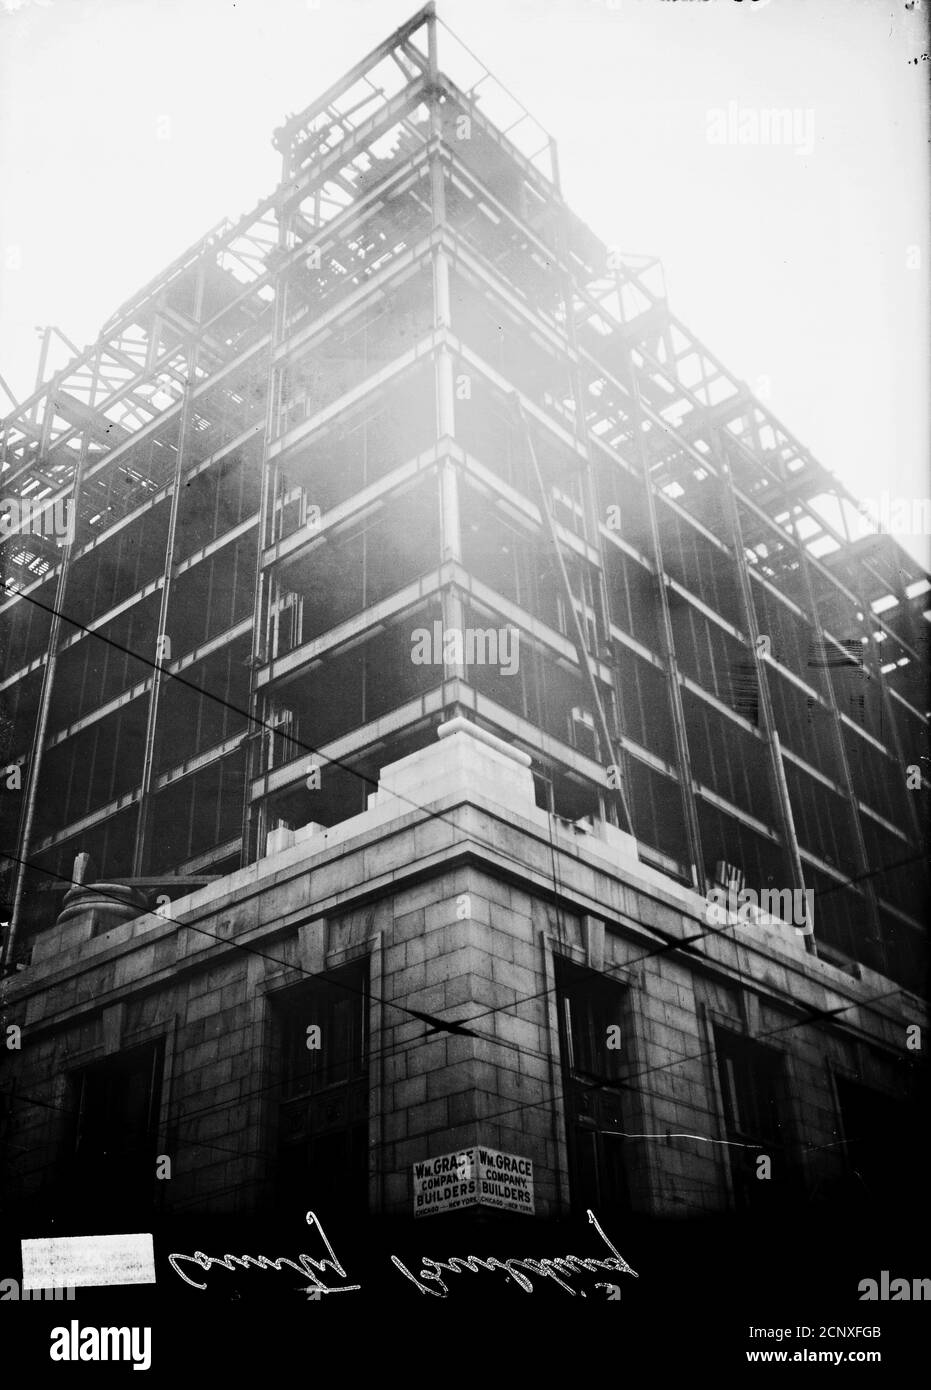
(128,128)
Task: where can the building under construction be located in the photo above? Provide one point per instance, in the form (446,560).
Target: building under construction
(408,448)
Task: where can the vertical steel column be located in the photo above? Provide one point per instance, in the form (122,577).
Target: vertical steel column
(40,373)
(143,847)
(254,815)
(48,679)
(448,476)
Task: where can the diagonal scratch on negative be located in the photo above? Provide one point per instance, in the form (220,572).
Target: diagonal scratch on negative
(704,1138)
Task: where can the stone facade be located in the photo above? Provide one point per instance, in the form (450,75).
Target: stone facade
(464,898)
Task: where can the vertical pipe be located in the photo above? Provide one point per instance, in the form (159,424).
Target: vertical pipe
(605,737)
(614,748)
(253,816)
(141,852)
(683,757)
(774,748)
(843,763)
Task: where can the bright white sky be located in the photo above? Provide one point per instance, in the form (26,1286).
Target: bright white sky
(796,267)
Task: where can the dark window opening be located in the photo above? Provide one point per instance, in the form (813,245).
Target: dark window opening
(594,1059)
(322,1109)
(753,1088)
(877,1130)
(111,1150)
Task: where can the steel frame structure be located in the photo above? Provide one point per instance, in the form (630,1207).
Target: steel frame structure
(419,174)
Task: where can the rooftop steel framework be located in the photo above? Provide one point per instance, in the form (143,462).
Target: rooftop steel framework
(319,428)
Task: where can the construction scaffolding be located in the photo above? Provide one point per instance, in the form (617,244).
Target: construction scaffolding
(298,444)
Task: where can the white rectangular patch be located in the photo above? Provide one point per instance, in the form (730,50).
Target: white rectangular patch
(81,1261)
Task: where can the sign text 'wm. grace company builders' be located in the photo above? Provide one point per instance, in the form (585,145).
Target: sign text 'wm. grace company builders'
(473,1177)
